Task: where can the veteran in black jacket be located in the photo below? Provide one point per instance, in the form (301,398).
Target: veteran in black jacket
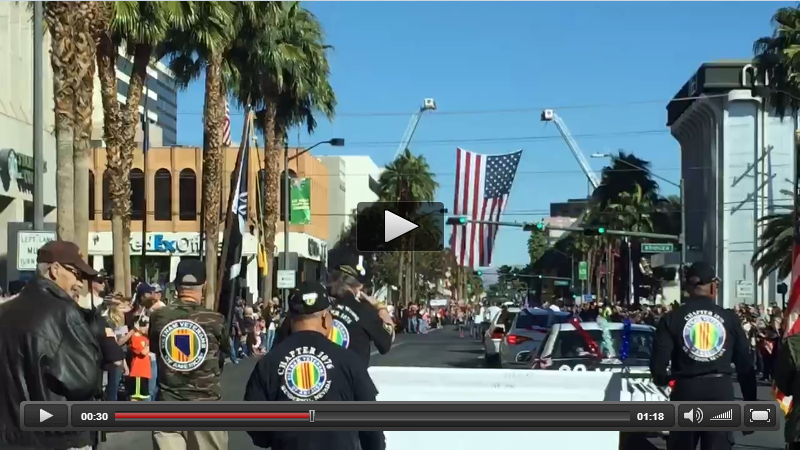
(48,348)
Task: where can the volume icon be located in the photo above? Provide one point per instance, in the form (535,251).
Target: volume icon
(727,415)
(694,415)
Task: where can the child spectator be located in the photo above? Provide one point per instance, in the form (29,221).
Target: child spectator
(138,386)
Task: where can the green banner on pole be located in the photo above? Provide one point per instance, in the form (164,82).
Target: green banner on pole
(301,201)
(583,270)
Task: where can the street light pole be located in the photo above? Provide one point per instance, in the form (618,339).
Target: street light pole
(38,117)
(287,210)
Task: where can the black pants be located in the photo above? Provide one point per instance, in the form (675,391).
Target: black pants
(719,389)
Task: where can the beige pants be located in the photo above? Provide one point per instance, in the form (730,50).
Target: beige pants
(190,440)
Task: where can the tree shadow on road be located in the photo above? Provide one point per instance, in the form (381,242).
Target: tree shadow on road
(476,351)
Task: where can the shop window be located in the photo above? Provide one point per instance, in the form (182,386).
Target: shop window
(162,195)
(106,195)
(91,195)
(187,195)
(137,195)
(292,174)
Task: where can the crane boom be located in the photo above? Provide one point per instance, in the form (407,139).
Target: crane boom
(428,104)
(548,115)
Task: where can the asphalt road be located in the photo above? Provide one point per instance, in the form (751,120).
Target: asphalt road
(440,348)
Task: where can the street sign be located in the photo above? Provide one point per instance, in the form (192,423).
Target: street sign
(286,279)
(583,270)
(561,282)
(28,245)
(658,248)
(745,289)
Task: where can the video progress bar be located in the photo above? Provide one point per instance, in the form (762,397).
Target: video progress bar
(126,416)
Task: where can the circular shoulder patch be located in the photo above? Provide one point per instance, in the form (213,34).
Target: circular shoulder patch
(339,334)
(184,345)
(704,337)
(305,376)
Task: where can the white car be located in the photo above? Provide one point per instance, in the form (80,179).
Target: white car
(526,333)
(565,349)
(494,334)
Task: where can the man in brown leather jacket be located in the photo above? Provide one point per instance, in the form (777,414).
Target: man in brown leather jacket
(48,348)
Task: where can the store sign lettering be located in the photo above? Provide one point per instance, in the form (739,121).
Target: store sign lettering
(317,250)
(17,168)
(158,243)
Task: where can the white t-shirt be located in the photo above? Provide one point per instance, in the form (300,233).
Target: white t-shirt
(494,311)
(482,314)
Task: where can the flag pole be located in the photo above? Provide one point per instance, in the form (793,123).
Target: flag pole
(230,219)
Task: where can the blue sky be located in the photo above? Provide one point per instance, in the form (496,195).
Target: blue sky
(483,56)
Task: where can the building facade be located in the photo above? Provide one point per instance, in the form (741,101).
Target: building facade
(16,130)
(159,99)
(736,155)
(171,191)
(353,179)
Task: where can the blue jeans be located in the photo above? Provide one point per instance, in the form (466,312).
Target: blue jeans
(153,382)
(114,380)
(413,323)
(270,339)
(234,350)
(422,326)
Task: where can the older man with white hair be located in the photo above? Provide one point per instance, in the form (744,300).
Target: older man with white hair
(49,349)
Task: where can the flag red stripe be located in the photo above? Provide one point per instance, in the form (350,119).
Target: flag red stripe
(484,230)
(466,205)
(476,185)
(456,210)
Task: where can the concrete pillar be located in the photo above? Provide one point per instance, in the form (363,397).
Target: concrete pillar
(173,266)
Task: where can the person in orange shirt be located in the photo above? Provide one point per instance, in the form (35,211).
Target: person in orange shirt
(138,386)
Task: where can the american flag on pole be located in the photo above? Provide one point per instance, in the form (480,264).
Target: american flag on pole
(226,126)
(483,184)
(791,325)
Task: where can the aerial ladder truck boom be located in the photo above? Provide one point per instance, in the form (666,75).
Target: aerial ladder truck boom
(428,104)
(548,115)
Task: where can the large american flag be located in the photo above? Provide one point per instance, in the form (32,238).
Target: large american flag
(483,184)
(791,325)
(226,126)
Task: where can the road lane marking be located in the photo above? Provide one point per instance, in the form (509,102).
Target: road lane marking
(375,352)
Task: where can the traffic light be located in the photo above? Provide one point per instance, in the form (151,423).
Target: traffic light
(538,226)
(594,231)
(456,221)
(478,272)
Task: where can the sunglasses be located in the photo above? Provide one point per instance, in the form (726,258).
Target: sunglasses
(73,271)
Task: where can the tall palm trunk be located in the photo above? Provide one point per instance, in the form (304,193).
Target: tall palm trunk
(85,51)
(212,172)
(272,155)
(131,120)
(589,271)
(611,294)
(62,59)
(112,127)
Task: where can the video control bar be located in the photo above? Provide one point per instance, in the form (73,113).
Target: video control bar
(400,416)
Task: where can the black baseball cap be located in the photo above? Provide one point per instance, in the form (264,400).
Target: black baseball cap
(190,272)
(352,272)
(701,273)
(65,252)
(309,297)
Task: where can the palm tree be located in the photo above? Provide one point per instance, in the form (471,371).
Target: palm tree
(633,212)
(774,252)
(624,174)
(59,20)
(138,26)
(778,57)
(407,179)
(282,66)
(200,48)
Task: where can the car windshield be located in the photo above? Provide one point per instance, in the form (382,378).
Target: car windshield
(528,321)
(570,344)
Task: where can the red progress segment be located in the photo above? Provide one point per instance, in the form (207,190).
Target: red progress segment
(218,415)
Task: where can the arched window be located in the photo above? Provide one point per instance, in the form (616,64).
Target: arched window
(162,194)
(91,195)
(137,195)
(187,195)
(292,174)
(106,195)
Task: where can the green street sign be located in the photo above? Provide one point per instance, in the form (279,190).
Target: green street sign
(583,270)
(657,248)
(561,283)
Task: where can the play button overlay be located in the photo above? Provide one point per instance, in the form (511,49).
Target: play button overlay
(398,227)
(395,226)
(44,415)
